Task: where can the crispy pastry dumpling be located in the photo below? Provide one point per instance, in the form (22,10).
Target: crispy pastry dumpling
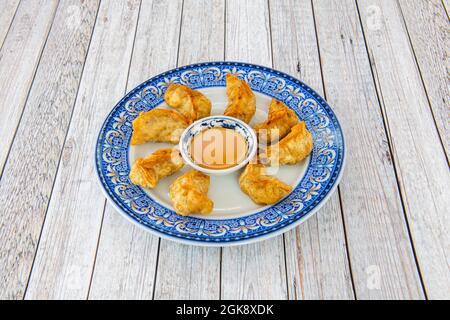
(261,188)
(190,103)
(296,146)
(278,124)
(158,125)
(189,193)
(242,101)
(146,172)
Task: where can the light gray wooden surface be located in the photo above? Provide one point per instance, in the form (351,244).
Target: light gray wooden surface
(316,255)
(383,65)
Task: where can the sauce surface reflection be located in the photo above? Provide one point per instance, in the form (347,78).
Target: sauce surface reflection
(218,148)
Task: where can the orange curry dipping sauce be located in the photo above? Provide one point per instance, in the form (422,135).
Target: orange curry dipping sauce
(218,148)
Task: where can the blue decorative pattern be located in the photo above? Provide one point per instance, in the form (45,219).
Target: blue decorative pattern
(324,168)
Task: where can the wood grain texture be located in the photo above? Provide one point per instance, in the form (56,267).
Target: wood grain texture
(421,164)
(126,260)
(255,271)
(9,8)
(381,256)
(19,58)
(65,258)
(26,185)
(188,272)
(391,96)
(316,257)
(127,255)
(429,29)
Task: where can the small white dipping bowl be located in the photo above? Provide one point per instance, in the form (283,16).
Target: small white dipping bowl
(218,122)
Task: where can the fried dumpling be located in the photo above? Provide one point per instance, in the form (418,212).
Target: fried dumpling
(189,193)
(278,124)
(296,146)
(242,101)
(261,188)
(190,103)
(158,125)
(146,172)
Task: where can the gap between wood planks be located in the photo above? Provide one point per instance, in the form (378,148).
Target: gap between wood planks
(155,276)
(118,237)
(23,105)
(405,25)
(341,207)
(9,25)
(3,164)
(284,234)
(352,61)
(104,206)
(446,5)
(159,240)
(426,230)
(41,266)
(249,38)
(379,94)
(63,145)
(192,33)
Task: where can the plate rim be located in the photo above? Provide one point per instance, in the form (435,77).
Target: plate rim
(243,241)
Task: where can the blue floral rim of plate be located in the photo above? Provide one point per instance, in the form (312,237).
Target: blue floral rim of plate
(320,179)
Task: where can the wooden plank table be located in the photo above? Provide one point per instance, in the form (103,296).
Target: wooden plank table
(383,65)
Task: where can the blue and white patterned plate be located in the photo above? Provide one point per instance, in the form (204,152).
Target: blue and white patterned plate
(236,220)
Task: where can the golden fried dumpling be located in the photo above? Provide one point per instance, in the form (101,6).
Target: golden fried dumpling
(190,103)
(202,104)
(146,172)
(296,146)
(261,188)
(242,101)
(158,125)
(278,124)
(189,193)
